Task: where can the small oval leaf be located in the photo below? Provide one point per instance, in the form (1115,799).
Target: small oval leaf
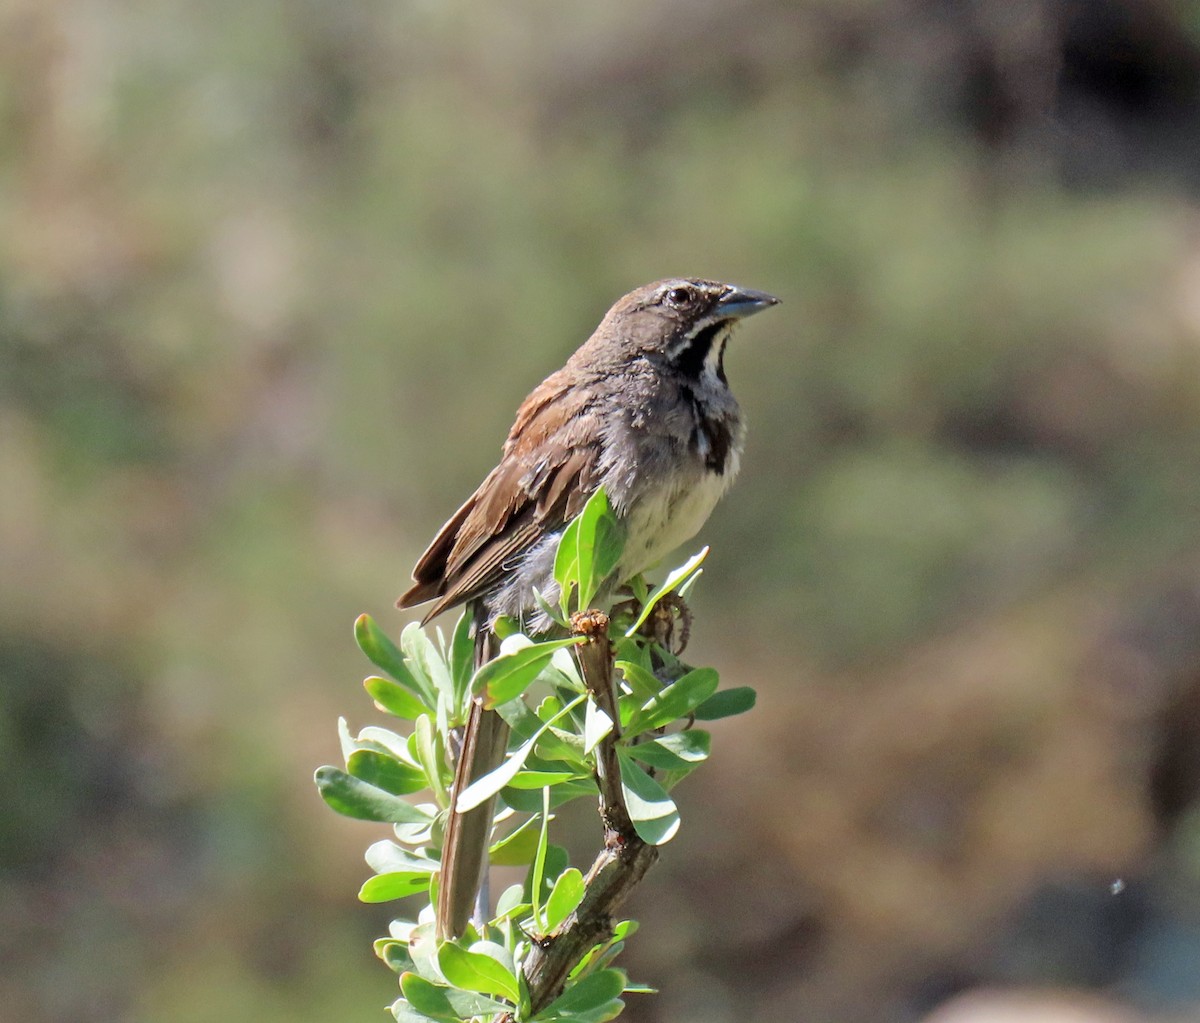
(654,814)
(398,884)
(353,797)
(678,699)
(383,653)
(394,698)
(674,752)
(726,703)
(565,897)
(385,772)
(474,971)
(589,993)
(507,677)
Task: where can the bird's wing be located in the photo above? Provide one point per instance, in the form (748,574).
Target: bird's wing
(544,478)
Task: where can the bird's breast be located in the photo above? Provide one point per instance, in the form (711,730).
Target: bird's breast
(669,512)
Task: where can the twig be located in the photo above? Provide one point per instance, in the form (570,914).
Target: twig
(625,858)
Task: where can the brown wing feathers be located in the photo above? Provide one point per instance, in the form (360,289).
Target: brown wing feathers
(544,474)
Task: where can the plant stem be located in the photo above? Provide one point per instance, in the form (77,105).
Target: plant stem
(625,858)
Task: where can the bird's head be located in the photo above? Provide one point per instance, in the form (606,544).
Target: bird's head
(685,320)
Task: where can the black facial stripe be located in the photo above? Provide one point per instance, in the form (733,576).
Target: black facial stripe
(712,436)
(690,359)
(721,360)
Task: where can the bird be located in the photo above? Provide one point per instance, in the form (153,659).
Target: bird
(642,408)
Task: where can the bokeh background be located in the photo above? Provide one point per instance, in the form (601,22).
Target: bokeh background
(273,278)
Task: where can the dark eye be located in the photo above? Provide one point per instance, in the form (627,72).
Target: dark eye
(679,296)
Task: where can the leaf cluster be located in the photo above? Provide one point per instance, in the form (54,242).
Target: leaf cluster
(427,682)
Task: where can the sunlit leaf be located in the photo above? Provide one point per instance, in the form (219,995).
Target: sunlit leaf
(383,653)
(518,848)
(429,754)
(446,1004)
(394,953)
(509,675)
(473,971)
(385,857)
(654,814)
(528,801)
(425,660)
(588,551)
(385,772)
(565,897)
(359,799)
(462,658)
(384,740)
(596,725)
(394,698)
(673,752)
(403,1012)
(642,682)
(539,779)
(484,788)
(678,699)
(673,581)
(395,885)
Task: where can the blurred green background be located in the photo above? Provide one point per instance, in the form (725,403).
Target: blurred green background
(274,277)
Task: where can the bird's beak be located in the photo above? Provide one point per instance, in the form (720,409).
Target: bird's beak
(738,303)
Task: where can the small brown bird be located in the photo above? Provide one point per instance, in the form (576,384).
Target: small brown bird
(643,409)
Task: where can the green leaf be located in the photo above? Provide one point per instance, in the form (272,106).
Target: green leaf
(539,779)
(383,740)
(511,901)
(673,581)
(446,1004)
(394,953)
(353,797)
(394,698)
(678,699)
(398,884)
(383,653)
(726,703)
(642,682)
(516,849)
(555,860)
(385,857)
(427,660)
(538,870)
(565,897)
(596,725)
(507,676)
(484,788)
(588,551)
(385,772)
(462,658)
(675,751)
(403,1012)
(473,971)
(427,998)
(422,947)
(529,801)
(428,753)
(587,995)
(654,814)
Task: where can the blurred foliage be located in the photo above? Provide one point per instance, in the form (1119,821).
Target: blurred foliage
(273,278)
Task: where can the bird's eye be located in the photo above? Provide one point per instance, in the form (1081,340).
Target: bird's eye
(679,297)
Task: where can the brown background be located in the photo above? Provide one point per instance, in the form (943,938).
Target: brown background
(274,276)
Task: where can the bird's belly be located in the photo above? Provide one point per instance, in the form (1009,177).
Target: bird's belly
(666,516)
